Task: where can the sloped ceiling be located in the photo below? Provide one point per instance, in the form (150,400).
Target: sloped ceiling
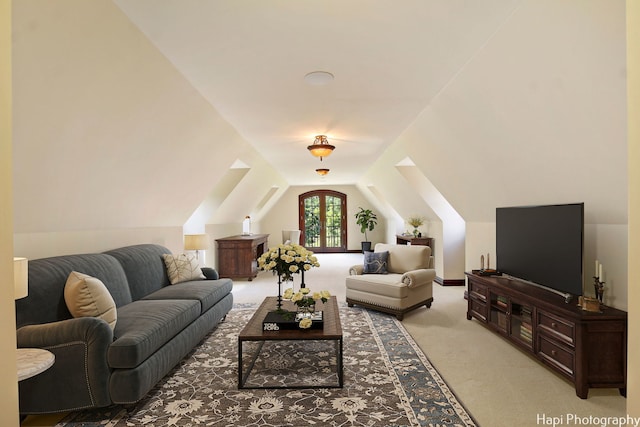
(389,59)
(128,112)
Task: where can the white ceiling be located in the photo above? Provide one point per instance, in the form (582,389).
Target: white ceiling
(249,58)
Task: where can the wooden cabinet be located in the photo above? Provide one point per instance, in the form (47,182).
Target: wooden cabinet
(238,255)
(589,349)
(423,241)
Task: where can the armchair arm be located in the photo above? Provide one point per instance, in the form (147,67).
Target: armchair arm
(79,378)
(356,270)
(419,277)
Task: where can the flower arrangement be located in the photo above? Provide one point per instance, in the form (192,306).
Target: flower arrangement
(306,302)
(415,221)
(287,260)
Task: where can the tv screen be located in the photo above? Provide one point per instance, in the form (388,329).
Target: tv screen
(542,244)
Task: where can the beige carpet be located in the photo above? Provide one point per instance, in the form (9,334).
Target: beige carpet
(497,383)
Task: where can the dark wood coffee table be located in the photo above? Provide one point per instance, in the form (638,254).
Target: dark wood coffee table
(332,331)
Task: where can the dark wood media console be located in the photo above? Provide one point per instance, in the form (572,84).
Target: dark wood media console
(587,348)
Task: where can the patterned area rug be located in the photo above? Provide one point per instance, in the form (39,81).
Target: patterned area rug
(388,381)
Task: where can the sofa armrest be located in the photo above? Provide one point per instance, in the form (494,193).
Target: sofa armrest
(418,277)
(79,377)
(356,270)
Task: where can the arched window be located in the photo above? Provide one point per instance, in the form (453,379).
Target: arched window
(322,220)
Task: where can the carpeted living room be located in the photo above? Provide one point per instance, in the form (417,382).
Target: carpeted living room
(129,127)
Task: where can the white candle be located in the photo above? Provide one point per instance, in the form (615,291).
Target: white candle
(601,275)
(595,272)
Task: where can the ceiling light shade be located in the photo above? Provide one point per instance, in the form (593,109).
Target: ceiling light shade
(321,147)
(322,172)
(20,277)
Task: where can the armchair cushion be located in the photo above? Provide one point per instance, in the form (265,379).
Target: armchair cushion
(375,262)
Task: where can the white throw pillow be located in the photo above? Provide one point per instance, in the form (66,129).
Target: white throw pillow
(87,296)
(182,268)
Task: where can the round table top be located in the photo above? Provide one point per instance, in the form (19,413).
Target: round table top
(32,361)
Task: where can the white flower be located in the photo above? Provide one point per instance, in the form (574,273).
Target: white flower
(305,323)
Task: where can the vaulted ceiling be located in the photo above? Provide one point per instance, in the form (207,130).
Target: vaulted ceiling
(389,60)
(132,113)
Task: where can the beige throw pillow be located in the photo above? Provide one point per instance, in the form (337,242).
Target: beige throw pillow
(182,268)
(87,296)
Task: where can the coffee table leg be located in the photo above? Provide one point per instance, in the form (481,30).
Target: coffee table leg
(340,366)
(240,384)
(242,379)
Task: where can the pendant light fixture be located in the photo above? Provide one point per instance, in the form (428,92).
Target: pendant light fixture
(320,147)
(322,172)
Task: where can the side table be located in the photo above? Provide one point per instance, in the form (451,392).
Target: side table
(33,361)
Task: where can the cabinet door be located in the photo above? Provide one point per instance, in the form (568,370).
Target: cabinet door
(521,323)
(499,312)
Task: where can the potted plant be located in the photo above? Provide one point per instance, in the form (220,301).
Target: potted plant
(367,220)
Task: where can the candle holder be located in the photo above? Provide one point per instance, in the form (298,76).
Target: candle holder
(598,286)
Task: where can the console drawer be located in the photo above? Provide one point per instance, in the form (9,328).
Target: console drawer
(555,355)
(559,329)
(478,292)
(478,309)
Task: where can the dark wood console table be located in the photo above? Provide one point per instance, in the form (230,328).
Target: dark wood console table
(587,348)
(423,241)
(238,255)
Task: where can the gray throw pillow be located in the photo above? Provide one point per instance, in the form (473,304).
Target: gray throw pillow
(375,262)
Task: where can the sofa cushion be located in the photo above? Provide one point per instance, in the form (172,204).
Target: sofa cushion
(144,268)
(146,325)
(375,262)
(207,292)
(403,258)
(86,296)
(182,268)
(389,285)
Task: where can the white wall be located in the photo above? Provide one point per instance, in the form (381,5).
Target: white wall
(8,372)
(111,144)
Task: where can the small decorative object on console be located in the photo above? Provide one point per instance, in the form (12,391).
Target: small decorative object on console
(415,221)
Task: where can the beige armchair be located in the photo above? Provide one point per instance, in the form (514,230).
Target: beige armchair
(407,285)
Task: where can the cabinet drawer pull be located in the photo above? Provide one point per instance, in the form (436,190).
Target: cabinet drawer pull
(554,325)
(554,353)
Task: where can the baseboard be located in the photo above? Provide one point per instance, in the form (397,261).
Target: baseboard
(449,282)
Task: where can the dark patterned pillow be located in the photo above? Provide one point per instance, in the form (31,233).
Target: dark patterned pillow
(375,262)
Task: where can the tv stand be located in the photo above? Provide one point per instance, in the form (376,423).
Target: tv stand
(588,349)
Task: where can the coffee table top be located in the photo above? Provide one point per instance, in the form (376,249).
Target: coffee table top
(331,318)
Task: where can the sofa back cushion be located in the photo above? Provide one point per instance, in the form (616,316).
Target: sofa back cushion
(144,268)
(48,276)
(403,258)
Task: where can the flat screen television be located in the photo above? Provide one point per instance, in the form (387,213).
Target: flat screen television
(543,245)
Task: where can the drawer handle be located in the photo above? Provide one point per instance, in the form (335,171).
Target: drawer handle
(554,353)
(554,325)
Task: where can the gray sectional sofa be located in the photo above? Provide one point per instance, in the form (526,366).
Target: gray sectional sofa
(158,324)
